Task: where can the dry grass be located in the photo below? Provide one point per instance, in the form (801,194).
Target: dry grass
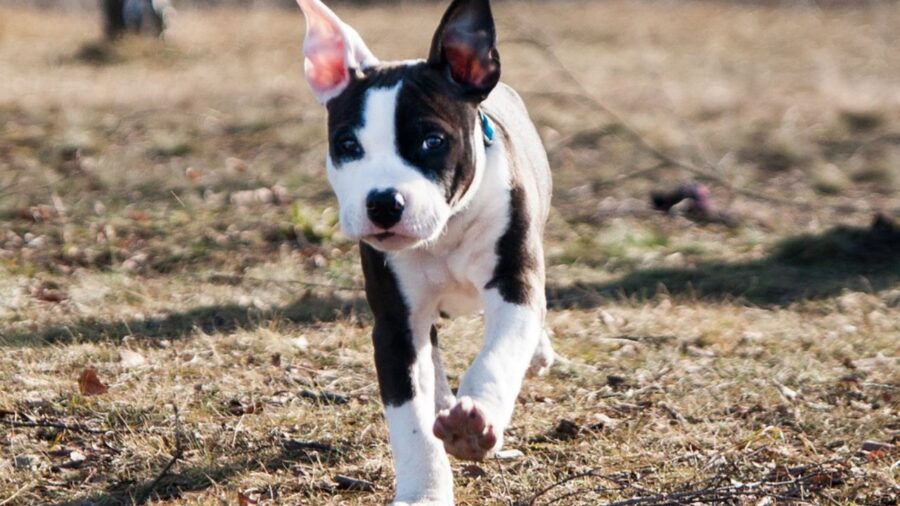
(168,200)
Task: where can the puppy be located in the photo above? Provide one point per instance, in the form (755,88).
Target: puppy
(441,176)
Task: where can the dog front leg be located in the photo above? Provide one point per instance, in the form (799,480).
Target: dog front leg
(473,428)
(406,378)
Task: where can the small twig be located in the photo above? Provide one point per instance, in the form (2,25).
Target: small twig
(16,493)
(293,445)
(53,425)
(179,452)
(675,415)
(559,483)
(230,278)
(503,481)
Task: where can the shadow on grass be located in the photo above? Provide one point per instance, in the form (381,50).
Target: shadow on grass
(310,308)
(195,478)
(805,267)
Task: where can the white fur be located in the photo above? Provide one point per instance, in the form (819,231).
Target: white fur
(511,336)
(380,168)
(421,465)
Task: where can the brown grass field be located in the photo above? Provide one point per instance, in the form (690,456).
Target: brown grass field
(165,220)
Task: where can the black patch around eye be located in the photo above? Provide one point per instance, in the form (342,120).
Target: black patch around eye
(425,98)
(346,148)
(424,102)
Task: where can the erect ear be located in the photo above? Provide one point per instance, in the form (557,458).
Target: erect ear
(331,50)
(464,47)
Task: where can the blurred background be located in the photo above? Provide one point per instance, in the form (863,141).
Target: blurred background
(723,254)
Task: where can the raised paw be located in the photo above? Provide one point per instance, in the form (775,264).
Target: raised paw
(465,430)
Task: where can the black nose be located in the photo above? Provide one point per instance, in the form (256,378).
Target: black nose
(385,207)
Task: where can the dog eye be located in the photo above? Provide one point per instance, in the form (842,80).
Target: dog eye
(349,146)
(433,142)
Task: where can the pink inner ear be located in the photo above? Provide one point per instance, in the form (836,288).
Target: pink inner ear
(325,67)
(325,49)
(465,65)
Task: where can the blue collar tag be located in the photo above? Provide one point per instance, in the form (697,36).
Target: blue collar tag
(487,128)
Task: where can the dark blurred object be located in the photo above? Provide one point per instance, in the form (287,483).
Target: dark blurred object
(697,193)
(700,207)
(147,17)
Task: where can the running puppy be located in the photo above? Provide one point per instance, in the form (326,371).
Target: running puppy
(443,179)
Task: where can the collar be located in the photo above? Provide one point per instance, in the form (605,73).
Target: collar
(487,128)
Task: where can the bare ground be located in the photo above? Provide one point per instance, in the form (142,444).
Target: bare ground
(164,220)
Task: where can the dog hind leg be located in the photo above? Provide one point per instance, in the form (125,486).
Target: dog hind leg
(543,356)
(443,395)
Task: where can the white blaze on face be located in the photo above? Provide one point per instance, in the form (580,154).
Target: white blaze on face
(381,168)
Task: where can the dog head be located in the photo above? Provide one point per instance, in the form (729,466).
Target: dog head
(405,139)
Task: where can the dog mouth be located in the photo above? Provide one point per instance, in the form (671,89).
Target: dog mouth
(391,241)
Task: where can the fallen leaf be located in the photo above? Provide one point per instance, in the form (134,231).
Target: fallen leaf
(89,384)
(236,165)
(246,499)
(134,214)
(193,174)
(37,214)
(876,455)
(48,292)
